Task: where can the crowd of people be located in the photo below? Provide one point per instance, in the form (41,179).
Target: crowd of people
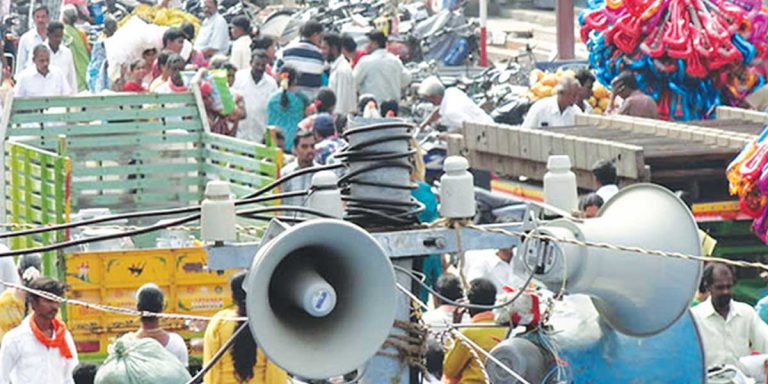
(307,90)
(276,91)
(36,347)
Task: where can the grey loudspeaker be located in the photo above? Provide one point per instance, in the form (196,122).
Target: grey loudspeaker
(321,298)
(638,295)
(526,358)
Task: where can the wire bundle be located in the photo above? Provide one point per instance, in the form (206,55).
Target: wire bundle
(689,55)
(378,183)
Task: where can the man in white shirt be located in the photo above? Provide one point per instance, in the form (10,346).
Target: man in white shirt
(496,266)
(256,88)
(454,106)
(605,176)
(304,150)
(729,329)
(61,56)
(342,80)
(40,349)
(214,32)
(41,80)
(32,38)
(380,73)
(558,110)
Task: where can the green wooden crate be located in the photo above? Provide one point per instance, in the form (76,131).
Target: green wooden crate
(36,193)
(127,152)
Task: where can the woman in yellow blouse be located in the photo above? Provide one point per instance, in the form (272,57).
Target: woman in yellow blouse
(245,363)
(12,307)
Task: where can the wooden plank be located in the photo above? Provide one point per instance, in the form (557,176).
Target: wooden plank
(240,176)
(558,144)
(146,183)
(545,145)
(243,146)
(94,154)
(150,170)
(25,104)
(525,143)
(492,137)
(114,115)
(534,146)
(232,160)
(138,126)
(121,202)
(513,140)
(169,138)
(240,190)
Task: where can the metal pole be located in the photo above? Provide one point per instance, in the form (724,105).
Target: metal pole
(384,369)
(565,26)
(483,33)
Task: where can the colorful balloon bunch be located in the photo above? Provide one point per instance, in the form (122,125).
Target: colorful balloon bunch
(748,178)
(689,55)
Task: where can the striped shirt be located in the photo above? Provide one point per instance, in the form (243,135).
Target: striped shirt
(307,59)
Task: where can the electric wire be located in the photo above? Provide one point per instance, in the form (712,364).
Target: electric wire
(111,309)
(219,354)
(364,157)
(462,304)
(470,344)
(132,215)
(249,213)
(254,197)
(274,184)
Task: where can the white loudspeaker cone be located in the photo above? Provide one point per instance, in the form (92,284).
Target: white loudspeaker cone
(312,293)
(638,295)
(321,298)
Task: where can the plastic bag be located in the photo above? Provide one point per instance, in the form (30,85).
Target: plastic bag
(222,93)
(140,361)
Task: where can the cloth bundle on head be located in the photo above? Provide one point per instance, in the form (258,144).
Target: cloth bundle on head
(129,42)
(140,361)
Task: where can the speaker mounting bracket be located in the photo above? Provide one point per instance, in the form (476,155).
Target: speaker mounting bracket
(396,244)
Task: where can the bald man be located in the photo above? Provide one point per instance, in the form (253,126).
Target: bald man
(454,107)
(40,79)
(558,110)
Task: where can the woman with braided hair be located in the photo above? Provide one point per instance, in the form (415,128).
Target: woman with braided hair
(287,107)
(244,363)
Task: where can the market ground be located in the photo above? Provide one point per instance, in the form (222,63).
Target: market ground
(512,22)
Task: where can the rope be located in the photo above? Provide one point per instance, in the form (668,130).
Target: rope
(411,348)
(475,356)
(111,309)
(462,257)
(471,345)
(623,248)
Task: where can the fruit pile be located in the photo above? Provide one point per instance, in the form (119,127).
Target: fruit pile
(167,17)
(600,99)
(542,84)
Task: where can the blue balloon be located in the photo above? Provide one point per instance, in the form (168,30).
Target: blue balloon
(745,47)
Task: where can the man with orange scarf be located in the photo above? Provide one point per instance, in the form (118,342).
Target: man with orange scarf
(40,349)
